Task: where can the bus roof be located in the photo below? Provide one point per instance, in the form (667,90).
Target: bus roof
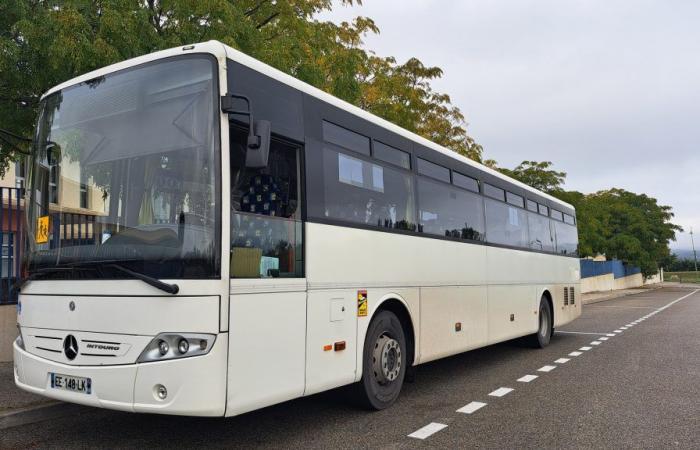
(222,51)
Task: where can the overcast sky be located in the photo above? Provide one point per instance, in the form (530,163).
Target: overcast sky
(607,90)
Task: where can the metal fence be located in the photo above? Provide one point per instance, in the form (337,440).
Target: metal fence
(590,268)
(11,233)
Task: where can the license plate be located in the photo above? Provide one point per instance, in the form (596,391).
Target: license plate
(71,383)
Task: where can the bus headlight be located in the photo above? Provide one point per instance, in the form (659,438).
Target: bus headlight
(177,345)
(20,338)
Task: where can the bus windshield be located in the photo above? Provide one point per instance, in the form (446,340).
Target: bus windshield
(125,175)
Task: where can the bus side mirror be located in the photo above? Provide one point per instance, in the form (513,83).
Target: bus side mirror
(258,148)
(258,145)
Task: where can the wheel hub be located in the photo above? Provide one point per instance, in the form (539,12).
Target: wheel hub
(386,359)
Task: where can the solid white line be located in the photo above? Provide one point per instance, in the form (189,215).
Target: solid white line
(676,301)
(595,343)
(603,338)
(471,407)
(562,360)
(575,354)
(585,348)
(579,332)
(500,392)
(546,368)
(527,378)
(427,430)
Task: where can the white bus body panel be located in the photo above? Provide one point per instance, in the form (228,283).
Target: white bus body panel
(196,385)
(267,343)
(441,282)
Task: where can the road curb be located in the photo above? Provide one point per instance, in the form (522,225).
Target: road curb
(619,294)
(34,414)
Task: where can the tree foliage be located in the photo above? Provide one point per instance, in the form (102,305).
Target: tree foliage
(539,175)
(43,43)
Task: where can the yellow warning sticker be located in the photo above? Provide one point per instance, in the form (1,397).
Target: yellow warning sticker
(361,303)
(42,230)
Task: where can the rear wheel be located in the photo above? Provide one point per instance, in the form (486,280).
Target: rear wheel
(544,329)
(384,361)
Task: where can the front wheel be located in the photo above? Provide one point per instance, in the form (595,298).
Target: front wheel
(544,329)
(384,361)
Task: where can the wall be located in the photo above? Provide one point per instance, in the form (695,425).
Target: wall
(8,331)
(600,283)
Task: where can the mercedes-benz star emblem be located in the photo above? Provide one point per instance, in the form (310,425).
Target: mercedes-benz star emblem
(70,347)
(71,306)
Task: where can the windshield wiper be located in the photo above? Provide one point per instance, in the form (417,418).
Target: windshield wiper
(155,282)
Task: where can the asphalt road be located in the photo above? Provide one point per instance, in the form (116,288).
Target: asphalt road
(640,388)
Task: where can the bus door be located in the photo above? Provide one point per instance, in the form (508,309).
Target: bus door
(267,328)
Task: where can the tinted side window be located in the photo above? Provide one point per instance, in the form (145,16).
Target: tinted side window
(505,224)
(557,215)
(446,211)
(567,239)
(345,138)
(433,170)
(531,206)
(544,210)
(465,182)
(361,192)
(392,155)
(541,237)
(514,199)
(494,192)
(569,219)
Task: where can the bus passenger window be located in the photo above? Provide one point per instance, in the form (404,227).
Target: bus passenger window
(365,193)
(266,235)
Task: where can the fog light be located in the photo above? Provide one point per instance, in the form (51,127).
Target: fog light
(183,346)
(203,344)
(163,347)
(161,392)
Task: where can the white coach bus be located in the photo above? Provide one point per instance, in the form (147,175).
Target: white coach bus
(208,236)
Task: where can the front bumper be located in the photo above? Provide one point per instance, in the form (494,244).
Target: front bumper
(196,386)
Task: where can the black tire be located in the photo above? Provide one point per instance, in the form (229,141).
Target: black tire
(385,337)
(545,326)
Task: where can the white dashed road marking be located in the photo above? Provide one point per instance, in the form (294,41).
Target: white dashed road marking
(585,349)
(527,378)
(596,343)
(427,430)
(579,332)
(603,338)
(617,331)
(610,335)
(575,354)
(562,360)
(471,407)
(546,368)
(500,392)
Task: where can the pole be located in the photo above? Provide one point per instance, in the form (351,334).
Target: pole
(695,255)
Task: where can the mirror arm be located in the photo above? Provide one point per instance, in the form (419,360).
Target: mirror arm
(227,107)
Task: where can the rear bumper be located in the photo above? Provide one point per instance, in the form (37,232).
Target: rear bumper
(196,386)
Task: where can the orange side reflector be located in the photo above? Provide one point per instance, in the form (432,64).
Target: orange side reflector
(339,346)
(327,348)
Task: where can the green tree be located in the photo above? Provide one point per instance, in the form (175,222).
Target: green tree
(539,175)
(623,225)
(43,43)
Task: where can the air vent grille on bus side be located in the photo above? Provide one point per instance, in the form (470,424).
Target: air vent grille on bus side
(566,295)
(573,300)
